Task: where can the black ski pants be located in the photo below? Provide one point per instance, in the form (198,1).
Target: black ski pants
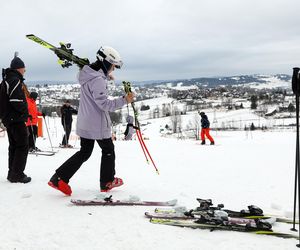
(33,131)
(67,128)
(107,167)
(17,150)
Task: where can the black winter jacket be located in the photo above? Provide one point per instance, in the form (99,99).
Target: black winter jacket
(17,107)
(204,121)
(66,114)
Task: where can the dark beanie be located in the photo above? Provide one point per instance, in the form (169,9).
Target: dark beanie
(33,95)
(17,63)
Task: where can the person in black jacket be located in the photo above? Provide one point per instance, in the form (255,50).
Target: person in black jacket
(15,120)
(129,128)
(66,121)
(205,129)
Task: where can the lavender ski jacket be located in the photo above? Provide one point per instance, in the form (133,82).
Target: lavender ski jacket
(93,121)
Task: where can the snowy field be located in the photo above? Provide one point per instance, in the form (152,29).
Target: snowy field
(240,170)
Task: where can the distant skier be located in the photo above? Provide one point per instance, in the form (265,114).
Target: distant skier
(93,122)
(205,129)
(129,128)
(32,121)
(66,121)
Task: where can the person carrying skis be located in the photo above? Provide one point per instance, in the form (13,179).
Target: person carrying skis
(32,121)
(66,121)
(129,128)
(205,129)
(93,122)
(14,121)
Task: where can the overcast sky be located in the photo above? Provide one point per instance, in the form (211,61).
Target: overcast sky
(157,39)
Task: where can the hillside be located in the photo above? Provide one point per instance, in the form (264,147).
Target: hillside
(243,168)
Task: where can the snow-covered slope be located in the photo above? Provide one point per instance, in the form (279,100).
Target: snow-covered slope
(242,169)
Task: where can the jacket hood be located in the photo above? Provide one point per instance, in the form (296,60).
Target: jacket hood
(13,73)
(87,74)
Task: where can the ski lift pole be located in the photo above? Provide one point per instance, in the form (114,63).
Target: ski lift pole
(127,88)
(296,90)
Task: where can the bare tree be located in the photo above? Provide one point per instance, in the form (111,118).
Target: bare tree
(176,119)
(195,126)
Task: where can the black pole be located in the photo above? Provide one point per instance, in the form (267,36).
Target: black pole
(33,138)
(297,123)
(296,90)
(296,164)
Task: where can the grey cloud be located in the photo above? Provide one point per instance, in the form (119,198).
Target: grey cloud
(159,39)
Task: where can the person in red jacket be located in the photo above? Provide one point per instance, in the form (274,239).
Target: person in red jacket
(32,120)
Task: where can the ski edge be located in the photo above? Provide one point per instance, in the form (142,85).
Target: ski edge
(80,202)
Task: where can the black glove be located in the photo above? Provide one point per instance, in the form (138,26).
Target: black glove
(43,114)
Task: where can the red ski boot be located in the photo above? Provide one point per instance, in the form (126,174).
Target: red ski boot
(112,184)
(60,185)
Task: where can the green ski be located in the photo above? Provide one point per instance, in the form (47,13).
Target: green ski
(64,52)
(212,227)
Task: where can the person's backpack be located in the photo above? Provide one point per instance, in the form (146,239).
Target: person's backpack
(4,97)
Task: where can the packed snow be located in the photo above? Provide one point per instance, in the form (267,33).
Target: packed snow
(243,168)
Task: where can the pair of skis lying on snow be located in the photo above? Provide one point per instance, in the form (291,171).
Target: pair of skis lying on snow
(48,152)
(205,216)
(256,224)
(42,152)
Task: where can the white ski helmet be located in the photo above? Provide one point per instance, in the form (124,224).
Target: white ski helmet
(110,55)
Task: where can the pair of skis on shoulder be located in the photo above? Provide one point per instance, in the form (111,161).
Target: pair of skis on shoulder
(67,58)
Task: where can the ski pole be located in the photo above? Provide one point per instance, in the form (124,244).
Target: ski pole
(145,147)
(138,134)
(33,138)
(127,88)
(140,141)
(75,141)
(48,134)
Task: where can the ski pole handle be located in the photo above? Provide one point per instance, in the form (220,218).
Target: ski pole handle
(296,81)
(127,87)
